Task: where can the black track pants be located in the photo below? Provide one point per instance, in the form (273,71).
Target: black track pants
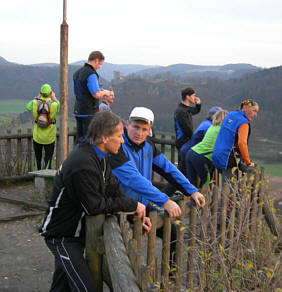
(71,271)
(49,151)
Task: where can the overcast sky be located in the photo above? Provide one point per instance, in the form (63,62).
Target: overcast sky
(149,32)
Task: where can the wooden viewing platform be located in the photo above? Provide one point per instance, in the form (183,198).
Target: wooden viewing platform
(208,253)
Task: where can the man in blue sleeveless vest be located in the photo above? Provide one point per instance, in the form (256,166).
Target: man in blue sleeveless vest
(232,139)
(87,92)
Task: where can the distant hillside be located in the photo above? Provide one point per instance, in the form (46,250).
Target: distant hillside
(183,71)
(161,92)
(23,82)
(163,96)
(107,69)
(6,63)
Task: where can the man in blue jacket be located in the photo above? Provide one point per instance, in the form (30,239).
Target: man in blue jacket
(136,160)
(133,166)
(231,146)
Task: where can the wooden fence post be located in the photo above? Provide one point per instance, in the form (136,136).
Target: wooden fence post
(223,213)
(152,242)
(95,248)
(179,246)
(260,203)
(29,151)
(172,151)
(121,274)
(232,207)
(137,233)
(254,211)
(19,153)
(9,155)
(204,242)
(166,251)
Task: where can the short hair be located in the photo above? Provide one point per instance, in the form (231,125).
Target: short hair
(96,55)
(218,117)
(102,124)
(187,91)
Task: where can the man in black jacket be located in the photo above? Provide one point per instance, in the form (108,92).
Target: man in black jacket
(183,121)
(84,185)
(183,125)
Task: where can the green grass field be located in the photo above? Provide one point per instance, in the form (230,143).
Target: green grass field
(272,169)
(12,106)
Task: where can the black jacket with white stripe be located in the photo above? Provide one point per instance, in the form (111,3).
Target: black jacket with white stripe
(84,185)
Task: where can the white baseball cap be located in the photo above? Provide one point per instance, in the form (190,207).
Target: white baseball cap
(142,114)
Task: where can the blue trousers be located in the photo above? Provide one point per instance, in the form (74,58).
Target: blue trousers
(82,124)
(196,165)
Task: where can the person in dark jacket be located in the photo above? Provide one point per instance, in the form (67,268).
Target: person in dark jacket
(183,125)
(183,121)
(88,92)
(84,185)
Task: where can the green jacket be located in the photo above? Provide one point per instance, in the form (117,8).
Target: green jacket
(207,144)
(44,135)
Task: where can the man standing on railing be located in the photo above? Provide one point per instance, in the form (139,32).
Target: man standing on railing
(88,92)
(44,109)
(231,146)
(84,185)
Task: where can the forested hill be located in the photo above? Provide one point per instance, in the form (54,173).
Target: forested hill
(163,96)
(23,82)
(161,92)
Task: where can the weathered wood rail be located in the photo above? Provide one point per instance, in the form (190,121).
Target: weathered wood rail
(210,243)
(17,154)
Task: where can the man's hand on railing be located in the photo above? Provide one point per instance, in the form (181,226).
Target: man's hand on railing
(199,199)
(140,212)
(147,225)
(172,209)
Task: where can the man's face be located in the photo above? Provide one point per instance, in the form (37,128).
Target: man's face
(250,111)
(191,98)
(110,98)
(112,143)
(97,63)
(138,131)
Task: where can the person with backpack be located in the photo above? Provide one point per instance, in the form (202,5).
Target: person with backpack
(44,109)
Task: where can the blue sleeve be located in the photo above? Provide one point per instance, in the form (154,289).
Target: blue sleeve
(133,182)
(168,170)
(92,83)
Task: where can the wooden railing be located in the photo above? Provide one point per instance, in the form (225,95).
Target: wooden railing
(17,154)
(215,245)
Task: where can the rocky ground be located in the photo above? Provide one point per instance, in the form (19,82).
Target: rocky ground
(26,263)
